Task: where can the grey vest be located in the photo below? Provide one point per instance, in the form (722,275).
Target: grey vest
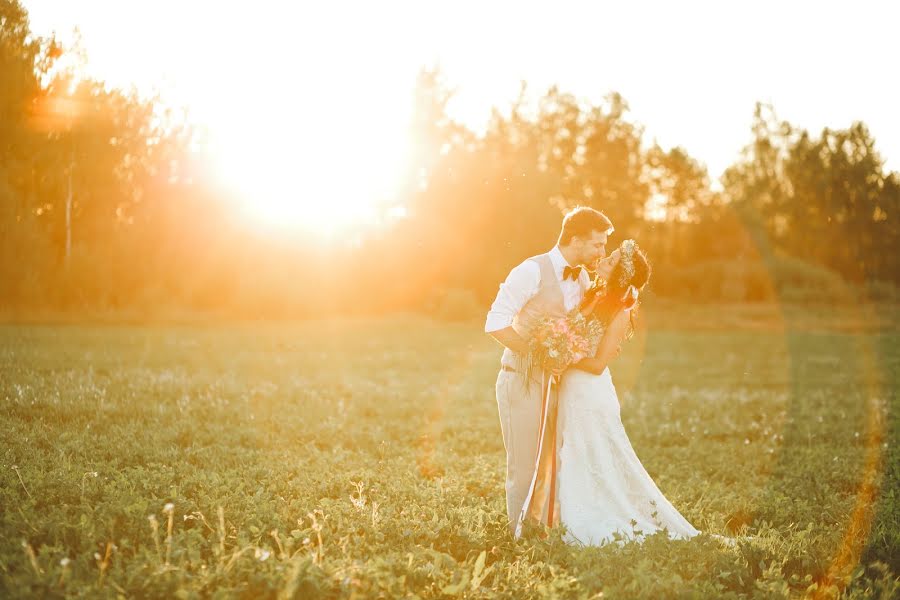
(548,302)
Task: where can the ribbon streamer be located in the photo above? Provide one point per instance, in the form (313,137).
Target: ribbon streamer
(541,503)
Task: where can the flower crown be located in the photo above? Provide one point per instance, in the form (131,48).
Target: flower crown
(627,262)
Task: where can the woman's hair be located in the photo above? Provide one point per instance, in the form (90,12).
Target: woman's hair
(633,269)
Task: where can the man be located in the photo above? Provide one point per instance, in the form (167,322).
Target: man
(547,285)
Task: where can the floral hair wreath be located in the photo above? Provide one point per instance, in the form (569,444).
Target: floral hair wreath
(627,262)
(630,298)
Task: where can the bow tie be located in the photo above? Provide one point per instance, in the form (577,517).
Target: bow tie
(572,273)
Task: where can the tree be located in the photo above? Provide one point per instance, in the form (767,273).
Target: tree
(825,199)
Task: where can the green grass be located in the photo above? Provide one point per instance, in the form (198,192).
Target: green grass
(364,458)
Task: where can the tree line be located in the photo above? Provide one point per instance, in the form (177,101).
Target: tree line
(105,205)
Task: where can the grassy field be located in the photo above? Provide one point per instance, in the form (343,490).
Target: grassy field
(363,458)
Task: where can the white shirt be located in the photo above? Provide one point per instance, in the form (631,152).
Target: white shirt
(523,283)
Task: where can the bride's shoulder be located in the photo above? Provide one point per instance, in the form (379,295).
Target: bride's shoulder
(619,324)
(621,316)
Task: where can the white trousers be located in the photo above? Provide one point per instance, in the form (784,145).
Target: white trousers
(520,414)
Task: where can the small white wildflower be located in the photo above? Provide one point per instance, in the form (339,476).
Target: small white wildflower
(152,518)
(97,556)
(64,562)
(262,554)
(169,507)
(305,541)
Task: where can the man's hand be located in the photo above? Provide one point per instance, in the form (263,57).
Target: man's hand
(556,374)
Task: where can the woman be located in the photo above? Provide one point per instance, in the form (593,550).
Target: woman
(603,488)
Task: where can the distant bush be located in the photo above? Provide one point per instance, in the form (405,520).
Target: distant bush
(754,280)
(883,291)
(715,280)
(801,281)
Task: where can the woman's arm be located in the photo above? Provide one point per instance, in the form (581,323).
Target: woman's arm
(609,345)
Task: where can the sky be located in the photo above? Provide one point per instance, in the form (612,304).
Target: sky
(690,71)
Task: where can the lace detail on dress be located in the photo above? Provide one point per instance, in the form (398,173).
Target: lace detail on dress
(603,487)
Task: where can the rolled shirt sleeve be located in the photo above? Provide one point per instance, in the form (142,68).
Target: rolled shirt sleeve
(521,285)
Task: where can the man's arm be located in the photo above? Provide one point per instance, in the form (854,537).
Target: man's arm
(512,340)
(520,286)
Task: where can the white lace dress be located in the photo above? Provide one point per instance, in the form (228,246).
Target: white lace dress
(603,488)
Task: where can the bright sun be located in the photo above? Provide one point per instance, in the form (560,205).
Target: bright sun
(321,172)
(307,110)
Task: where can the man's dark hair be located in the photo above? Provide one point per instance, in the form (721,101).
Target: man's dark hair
(580,222)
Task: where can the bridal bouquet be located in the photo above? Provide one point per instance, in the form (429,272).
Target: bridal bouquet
(561,342)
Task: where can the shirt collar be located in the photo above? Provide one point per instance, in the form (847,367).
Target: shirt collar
(558,261)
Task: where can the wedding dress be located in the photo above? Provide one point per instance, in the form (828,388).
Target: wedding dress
(603,487)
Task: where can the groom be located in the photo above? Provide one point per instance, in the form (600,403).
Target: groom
(547,285)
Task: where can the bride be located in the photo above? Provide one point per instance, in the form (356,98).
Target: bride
(603,489)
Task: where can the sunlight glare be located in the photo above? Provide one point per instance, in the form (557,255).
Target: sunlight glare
(316,168)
